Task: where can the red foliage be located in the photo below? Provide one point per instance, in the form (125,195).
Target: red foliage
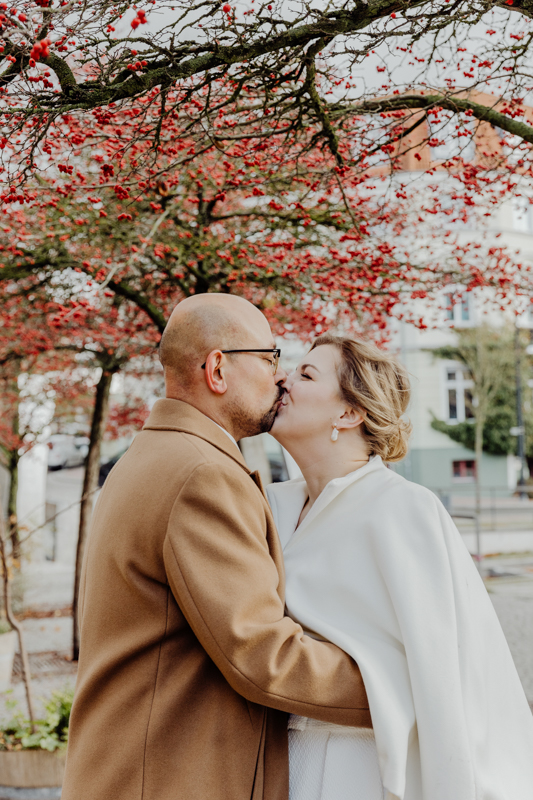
(308,241)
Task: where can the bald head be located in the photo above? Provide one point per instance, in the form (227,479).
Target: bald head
(207,322)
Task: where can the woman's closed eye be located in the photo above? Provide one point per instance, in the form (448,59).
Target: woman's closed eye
(305,375)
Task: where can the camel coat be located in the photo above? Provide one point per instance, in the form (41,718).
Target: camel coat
(184,641)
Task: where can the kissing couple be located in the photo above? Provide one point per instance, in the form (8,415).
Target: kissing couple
(332,642)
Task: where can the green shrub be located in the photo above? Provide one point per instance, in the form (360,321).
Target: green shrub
(50,733)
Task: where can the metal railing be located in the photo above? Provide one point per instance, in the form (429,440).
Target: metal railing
(478,555)
(500,510)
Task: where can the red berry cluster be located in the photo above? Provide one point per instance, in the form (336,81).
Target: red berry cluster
(137,66)
(40,50)
(140,19)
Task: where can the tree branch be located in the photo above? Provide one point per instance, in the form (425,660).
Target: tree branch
(449,102)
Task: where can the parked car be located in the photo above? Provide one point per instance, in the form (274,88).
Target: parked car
(107,466)
(65,450)
(276,459)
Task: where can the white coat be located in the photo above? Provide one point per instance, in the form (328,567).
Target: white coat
(378,568)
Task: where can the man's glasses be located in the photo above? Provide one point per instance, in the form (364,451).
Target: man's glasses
(275,351)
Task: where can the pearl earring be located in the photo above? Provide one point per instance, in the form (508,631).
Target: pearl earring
(334,434)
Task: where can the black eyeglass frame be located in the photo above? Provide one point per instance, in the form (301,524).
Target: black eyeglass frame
(276,352)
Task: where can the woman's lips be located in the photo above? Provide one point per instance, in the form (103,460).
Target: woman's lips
(281,404)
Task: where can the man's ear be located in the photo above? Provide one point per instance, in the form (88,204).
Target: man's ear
(214,375)
(351,418)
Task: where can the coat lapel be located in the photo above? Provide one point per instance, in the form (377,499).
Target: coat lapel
(256,477)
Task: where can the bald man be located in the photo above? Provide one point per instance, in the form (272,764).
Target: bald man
(188,665)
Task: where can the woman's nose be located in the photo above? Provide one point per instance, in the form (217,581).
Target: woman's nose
(288,382)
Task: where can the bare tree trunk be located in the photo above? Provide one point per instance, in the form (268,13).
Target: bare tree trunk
(12,513)
(480,424)
(6,580)
(90,484)
(521,440)
(482,399)
(13,463)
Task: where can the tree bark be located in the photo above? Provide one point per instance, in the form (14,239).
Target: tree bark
(90,485)
(12,514)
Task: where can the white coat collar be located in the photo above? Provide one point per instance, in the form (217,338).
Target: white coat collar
(287,500)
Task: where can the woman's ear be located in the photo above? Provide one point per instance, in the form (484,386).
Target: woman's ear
(214,375)
(351,418)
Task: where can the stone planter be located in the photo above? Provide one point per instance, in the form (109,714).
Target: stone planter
(8,645)
(31,769)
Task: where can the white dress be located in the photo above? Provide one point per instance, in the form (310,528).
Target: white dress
(378,568)
(332,762)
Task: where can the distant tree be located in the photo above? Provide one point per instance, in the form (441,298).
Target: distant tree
(488,356)
(106,334)
(31,380)
(501,417)
(43,343)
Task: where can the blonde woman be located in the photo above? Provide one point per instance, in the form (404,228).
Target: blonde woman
(375,565)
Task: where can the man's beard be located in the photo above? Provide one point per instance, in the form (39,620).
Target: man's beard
(251,425)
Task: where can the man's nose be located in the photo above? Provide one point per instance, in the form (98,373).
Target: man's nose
(281,375)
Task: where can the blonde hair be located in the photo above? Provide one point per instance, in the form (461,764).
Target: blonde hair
(377,385)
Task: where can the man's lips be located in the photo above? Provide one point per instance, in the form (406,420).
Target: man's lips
(282,402)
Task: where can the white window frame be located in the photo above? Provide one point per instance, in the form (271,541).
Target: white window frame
(460,384)
(462,300)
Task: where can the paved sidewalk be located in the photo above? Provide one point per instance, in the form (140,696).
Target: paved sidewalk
(49,643)
(509,581)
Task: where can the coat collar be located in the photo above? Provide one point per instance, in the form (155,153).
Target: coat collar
(291,496)
(175,415)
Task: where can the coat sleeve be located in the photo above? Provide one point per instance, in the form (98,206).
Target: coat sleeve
(226,584)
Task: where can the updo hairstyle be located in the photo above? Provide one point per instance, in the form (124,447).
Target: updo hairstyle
(377,385)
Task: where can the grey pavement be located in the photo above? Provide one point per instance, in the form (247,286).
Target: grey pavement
(63,489)
(51,636)
(52,633)
(49,584)
(509,581)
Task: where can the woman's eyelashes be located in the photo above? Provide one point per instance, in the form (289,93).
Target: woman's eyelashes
(305,375)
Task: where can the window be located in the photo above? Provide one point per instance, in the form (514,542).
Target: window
(459,398)
(449,139)
(464,471)
(469,404)
(449,307)
(513,147)
(458,308)
(452,403)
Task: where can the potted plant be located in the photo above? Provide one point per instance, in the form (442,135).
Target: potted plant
(8,644)
(32,755)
